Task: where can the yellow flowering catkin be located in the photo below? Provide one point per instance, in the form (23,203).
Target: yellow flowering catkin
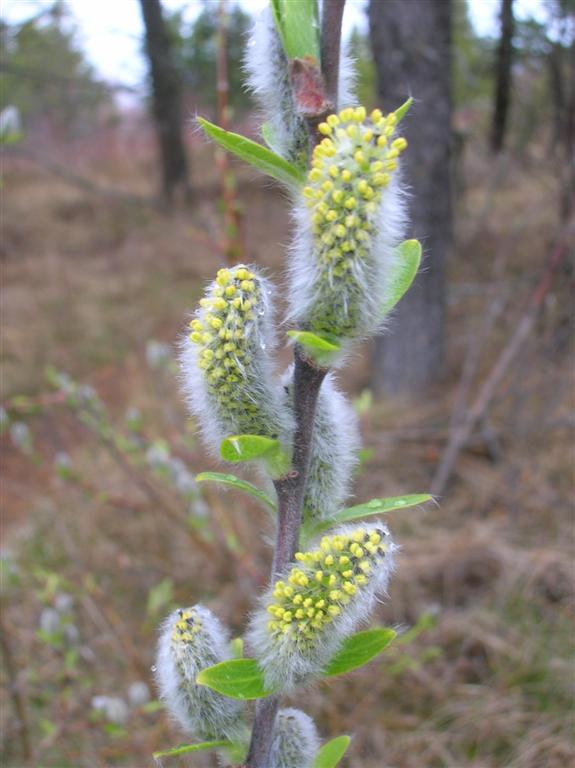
(191,640)
(226,363)
(351,221)
(304,617)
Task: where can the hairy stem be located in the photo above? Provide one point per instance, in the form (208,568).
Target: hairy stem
(307,382)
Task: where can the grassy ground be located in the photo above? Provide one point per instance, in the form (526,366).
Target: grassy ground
(485,589)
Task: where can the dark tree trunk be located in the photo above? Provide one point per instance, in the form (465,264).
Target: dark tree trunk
(504,64)
(166,103)
(411,44)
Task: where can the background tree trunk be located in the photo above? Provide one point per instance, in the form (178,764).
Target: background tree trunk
(166,103)
(411,44)
(503,77)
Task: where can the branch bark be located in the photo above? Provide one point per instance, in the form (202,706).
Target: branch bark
(308,378)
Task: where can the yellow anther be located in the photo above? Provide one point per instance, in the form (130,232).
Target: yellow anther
(230,290)
(327,239)
(347,574)
(334,610)
(335,594)
(340,230)
(248,286)
(196,337)
(331,215)
(346,114)
(315,174)
(311,612)
(207,338)
(320,604)
(196,325)
(219,304)
(332,581)
(346,175)
(287,616)
(333,171)
(318,575)
(337,195)
(380,179)
(361,580)
(242,274)
(391,119)
(308,192)
(329,560)
(344,560)
(205,303)
(333,120)
(297,599)
(391,165)
(299,556)
(359,114)
(327,144)
(376,115)
(400,144)
(299,614)
(374,537)
(350,203)
(359,157)
(272,626)
(327,186)
(381,141)
(351,131)
(324,128)
(350,588)
(307,602)
(368,136)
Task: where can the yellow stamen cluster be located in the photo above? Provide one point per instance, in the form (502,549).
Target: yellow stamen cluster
(328,579)
(351,167)
(188,625)
(224,332)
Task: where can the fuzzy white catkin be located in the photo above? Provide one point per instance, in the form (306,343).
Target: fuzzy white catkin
(295,741)
(334,449)
(268,79)
(303,619)
(349,222)
(192,640)
(226,364)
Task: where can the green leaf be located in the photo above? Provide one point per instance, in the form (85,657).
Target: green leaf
(239,448)
(298,27)
(236,482)
(238,679)
(321,349)
(269,137)
(332,752)
(401,112)
(358,649)
(404,272)
(187,748)
(256,154)
(370,508)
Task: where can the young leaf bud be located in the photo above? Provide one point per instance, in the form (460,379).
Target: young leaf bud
(191,640)
(268,79)
(350,221)
(295,741)
(334,449)
(304,618)
(227,374)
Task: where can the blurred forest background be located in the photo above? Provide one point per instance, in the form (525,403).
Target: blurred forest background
(115,213)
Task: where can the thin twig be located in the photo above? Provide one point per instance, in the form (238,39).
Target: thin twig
(320,88)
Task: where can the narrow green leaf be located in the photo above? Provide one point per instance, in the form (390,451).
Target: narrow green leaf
(187,748)
(236,482)
(369,509)
(297,23)
(238,679)
(238,448)
(358,649)
(404,272)
(269,137)
(321,349)
(332,752)
(401,112)
(256,154)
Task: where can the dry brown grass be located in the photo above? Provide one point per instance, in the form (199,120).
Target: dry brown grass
(86,282)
